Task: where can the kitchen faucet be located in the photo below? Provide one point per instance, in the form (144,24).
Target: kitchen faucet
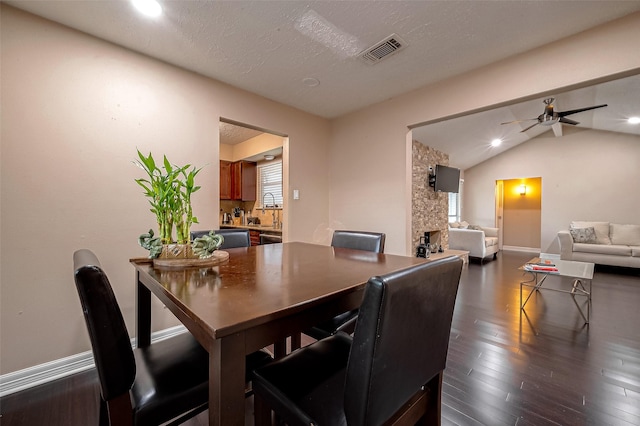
(273,214)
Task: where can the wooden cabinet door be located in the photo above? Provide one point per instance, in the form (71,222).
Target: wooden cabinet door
(225,180)
(255,237)
(249,175)
(236,180)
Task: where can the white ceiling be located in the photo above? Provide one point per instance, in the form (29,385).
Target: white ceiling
(467,139)
(270,47)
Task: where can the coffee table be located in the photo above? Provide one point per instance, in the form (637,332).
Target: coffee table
(581,272)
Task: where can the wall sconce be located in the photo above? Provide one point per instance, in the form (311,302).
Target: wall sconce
(522,189)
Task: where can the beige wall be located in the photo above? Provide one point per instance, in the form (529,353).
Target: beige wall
(74,110)
(586,175)
(370,148)
(522,214)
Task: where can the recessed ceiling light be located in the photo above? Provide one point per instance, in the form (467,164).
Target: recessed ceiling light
(634,120)
(148,7)
(310,81)
(496,142)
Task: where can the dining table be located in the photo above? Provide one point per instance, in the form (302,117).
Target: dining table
(259,296)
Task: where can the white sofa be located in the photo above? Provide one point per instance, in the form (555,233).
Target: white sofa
(603,243)
(480,243)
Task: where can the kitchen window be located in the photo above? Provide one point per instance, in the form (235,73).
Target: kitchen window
(269,182)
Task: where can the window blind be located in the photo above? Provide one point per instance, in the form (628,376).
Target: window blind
(270,181)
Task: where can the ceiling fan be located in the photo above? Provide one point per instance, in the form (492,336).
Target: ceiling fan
(550,117)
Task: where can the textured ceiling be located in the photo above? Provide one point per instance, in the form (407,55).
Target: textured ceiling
(269,47)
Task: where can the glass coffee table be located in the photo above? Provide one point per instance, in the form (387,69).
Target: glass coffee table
(541,268)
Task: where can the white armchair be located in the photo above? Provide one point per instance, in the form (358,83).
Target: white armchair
(480,243)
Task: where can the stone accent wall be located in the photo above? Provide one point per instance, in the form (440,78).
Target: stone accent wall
(429,209)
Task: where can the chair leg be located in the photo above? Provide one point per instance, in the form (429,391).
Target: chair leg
(261,411)
(104,413)
(433,415)
(120,410)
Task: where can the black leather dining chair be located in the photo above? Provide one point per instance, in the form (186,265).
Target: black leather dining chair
(233,237)
(357,240)
(166,381)
(391,369)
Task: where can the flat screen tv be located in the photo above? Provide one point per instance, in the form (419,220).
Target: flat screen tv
(446,179)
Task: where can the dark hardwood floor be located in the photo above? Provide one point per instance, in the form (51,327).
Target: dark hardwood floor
(505,367)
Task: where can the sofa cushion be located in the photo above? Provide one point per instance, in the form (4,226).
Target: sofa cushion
(490,241)
(611,249)
(583,235)
(625,234)
(635,251)
(601,228)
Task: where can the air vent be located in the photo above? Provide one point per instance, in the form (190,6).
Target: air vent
(383,49)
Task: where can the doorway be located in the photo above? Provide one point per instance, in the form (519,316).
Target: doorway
(519,213)
(262,153)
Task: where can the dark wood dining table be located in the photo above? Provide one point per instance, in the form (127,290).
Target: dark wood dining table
(258,297)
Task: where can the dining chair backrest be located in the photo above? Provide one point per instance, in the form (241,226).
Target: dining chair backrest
(233,237)
(401,338)
(359,240)
(110,340)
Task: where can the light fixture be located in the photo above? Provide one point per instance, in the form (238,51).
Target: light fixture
(149,8)
(310,81)
(269,157)
(522,189)
(496,142)
(633,120)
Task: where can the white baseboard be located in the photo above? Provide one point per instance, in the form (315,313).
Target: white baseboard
(59,368)
(523,249)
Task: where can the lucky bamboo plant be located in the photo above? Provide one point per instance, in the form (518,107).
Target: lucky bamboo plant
(169,192)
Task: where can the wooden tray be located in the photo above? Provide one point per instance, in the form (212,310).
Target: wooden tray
(219,256)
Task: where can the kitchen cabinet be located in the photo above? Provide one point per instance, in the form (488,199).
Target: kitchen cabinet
(255,237)
(243,181)
(238,180)
(225,180)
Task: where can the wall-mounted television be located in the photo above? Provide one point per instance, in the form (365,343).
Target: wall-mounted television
(445,179)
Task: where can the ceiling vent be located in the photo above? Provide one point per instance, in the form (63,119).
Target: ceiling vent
(383,49)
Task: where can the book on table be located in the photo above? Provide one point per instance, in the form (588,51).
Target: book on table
(541,265)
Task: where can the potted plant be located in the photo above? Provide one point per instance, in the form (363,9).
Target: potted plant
(169,189)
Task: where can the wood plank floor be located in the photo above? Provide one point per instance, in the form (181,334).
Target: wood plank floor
(505,367)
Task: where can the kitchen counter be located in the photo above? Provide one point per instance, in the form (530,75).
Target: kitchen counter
(267,229)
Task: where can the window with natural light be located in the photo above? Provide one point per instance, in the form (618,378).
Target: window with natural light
(454,207)
(269,182)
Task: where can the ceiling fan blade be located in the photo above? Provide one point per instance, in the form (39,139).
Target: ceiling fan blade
(568,121)
(519,121)
(574,111)
(524,130)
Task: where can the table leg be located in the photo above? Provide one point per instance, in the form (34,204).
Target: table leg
(143,314)
(227,381)
(578,289)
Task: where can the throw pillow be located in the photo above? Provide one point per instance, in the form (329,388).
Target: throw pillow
(454,225)
(583,235)
(476,227)
(601,228)
(464,225)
